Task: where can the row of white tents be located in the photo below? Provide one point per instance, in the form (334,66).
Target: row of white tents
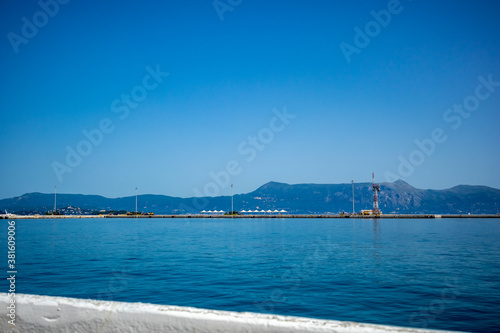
(263,211)
(246,211)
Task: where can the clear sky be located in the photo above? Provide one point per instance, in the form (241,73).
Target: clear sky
(183,98)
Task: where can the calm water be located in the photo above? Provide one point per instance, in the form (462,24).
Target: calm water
(440,273)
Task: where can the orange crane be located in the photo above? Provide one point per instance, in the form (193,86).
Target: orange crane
(376,189)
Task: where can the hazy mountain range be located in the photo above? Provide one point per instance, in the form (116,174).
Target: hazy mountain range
(397,197)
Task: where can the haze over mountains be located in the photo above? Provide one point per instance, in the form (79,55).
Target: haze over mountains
(397,197)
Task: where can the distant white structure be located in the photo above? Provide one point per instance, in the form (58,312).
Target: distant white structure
(7,214)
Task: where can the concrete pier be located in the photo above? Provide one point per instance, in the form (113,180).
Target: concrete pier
(258,216)
(34,313)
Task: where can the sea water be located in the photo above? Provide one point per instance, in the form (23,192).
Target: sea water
(435,273)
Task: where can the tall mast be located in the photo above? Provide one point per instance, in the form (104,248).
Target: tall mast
(376,189)
(353,211)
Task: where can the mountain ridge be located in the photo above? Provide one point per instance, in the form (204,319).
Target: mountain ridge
(307,198)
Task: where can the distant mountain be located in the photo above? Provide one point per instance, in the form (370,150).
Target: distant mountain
(397,197)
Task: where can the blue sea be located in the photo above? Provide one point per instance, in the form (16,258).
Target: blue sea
(434,273)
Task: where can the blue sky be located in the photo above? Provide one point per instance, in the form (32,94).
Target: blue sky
(256,91)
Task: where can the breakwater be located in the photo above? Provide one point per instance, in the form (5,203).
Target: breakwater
(260,216)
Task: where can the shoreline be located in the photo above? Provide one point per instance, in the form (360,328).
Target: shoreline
(259,216)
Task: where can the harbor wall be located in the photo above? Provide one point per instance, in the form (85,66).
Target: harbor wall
(247,216)
(35,313)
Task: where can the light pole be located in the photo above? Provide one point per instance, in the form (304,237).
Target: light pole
(136,200)
(353,211)
(232,209)
(55,199)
